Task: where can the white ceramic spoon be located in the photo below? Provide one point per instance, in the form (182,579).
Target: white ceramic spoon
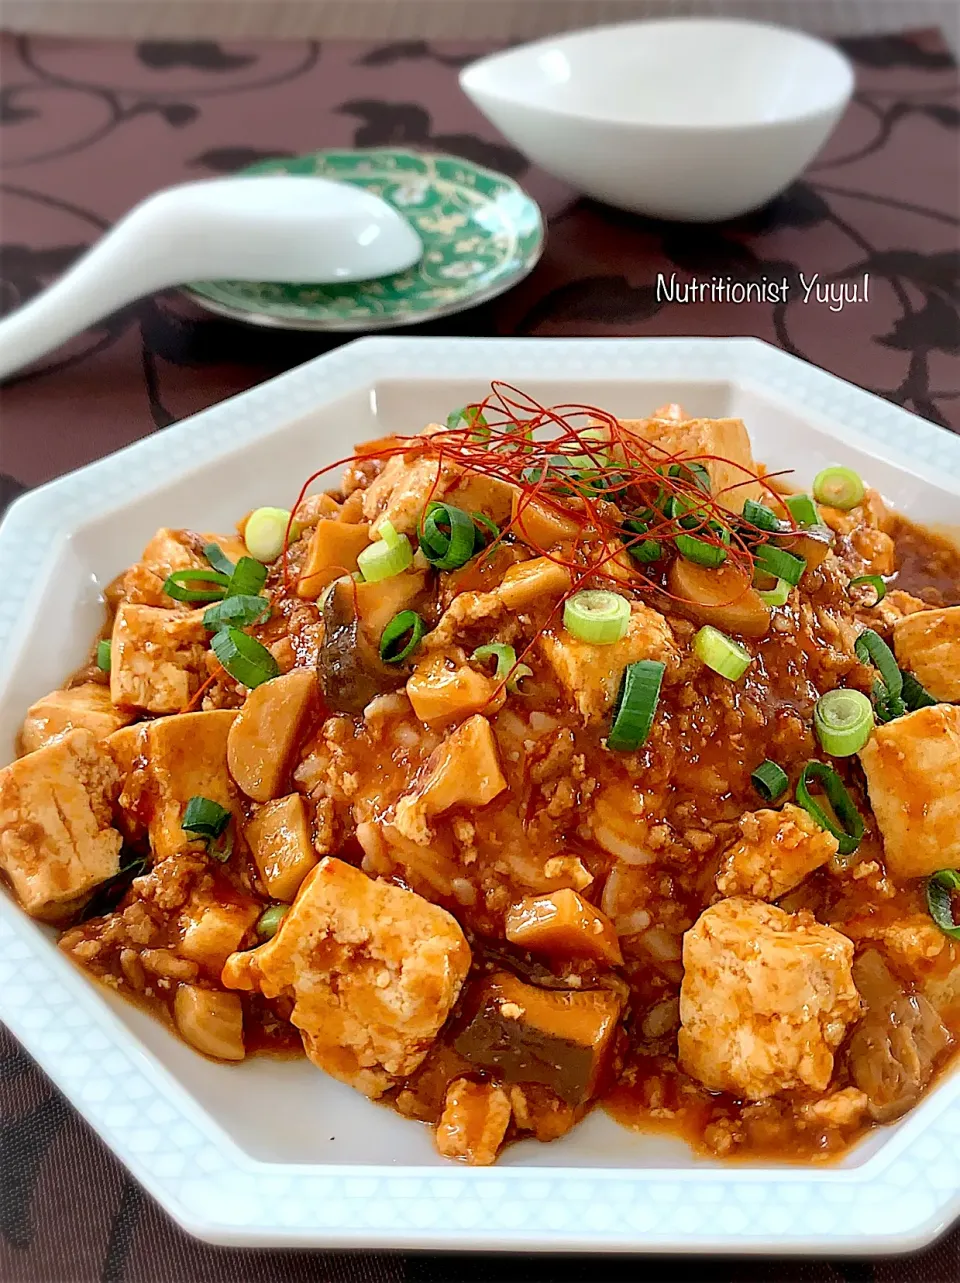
(274,227)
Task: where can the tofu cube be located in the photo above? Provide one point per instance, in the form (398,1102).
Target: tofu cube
(590,675)
(157,657)
(927,644)
(765,1001)
(442,690)
(407,484)
(474,1122)
(464,770)
(912,765)
(212,931)
(279,837)
(87,706)
(373,971)
(726,440)
(334,548)
(183,757)
(776,851)
(57,842)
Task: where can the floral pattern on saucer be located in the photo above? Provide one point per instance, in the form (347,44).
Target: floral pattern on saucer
(481,234)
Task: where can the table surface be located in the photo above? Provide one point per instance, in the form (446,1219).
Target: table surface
(91,127)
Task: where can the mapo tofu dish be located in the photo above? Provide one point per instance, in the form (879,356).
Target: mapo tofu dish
(536,760)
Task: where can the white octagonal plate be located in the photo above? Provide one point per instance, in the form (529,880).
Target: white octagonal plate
(273,1152)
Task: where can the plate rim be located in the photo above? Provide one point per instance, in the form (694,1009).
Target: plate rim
(373,324)
(218,1192)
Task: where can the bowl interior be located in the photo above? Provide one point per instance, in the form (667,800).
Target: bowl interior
(677,73)
(279,1111)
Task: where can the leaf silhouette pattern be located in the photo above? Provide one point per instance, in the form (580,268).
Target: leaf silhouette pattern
(228,160)
(405,123)
(24,1142)
(201,55)
(894,51)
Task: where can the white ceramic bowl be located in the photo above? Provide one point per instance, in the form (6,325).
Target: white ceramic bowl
(697,119)
(273,1151)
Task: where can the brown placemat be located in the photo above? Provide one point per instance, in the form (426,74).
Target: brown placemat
(88,128)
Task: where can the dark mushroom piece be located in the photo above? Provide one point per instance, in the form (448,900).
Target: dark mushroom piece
(349,665)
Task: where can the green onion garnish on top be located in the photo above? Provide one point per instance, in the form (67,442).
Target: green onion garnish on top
(775,596)
(473,417)
(265,531)
(596,616)
(448,536)
(390,555)
(268,924)
(843,720)
(759,515)
(636,705)
(401,637)
(838,487)
(700,552)
(802,508)
(244,658)
(870,648)
(175,585)
(875,582)
(248,578)
(643,550)
(218,558)
(846,823)
(240,611)
(692,471)
(103,656)
(507,666)
(778,562)
(721,653)
(940,889)
(205,818)
(770,780)
(914,695)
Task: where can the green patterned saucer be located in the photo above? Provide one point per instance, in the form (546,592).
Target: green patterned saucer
(481,235)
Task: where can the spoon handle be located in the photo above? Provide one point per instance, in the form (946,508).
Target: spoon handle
(105,278)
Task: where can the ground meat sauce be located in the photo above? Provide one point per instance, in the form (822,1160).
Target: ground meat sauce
(535,1037)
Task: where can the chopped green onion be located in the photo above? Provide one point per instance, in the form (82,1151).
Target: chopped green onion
(448,536)
(103,656)
(700,552)
(204,817)
(265,532)
(770,780)
(248,578)
(597,616)
(484,526)
(221,848)
(849,830)
(636,706)
(870,648)
(776,596)
(175,585)
(721,653)
(875,582)
(759,515)
(913,694)
(694,472)
(244,658)
(268,924)
(802,508)
(838,488)
(241,611)
(390,555)
(473,417)
(505,656)
(218,558)
(519,673)
(940,889)
(779,563)
(843,720)
(408,621)
(643,550)
(886,706)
